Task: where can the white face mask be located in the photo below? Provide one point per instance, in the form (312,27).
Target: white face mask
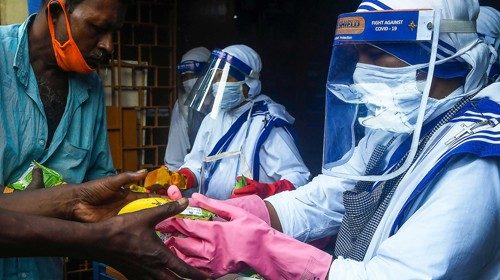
(232,95)
(188,86)
(392,96)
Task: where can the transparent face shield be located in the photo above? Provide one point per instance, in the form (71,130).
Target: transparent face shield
(372,88)
(187,75)
(220,85)
(185,83)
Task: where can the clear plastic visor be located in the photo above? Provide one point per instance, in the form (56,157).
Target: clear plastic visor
(376,101)
(222,70)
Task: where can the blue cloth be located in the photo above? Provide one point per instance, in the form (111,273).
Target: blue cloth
(79,149)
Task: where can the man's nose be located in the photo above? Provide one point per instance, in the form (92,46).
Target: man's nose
(106,43)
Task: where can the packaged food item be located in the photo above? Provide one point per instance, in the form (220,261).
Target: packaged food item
(158,180)
(248,274)
(193,213)
(138,189)
(159,176)
(179,180)
(51,178)
(196,213)
(240,182)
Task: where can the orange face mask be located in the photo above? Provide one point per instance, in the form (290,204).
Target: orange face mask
(68,56)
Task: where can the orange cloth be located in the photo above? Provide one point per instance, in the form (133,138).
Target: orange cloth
(68,55)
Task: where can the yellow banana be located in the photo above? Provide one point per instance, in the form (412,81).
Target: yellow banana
(143,203)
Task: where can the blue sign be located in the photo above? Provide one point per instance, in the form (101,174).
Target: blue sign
(384,26)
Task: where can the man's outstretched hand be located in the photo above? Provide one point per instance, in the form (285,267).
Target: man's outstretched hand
(101,199)
(133,247)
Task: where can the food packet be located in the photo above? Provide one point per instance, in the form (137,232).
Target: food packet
(158,177)
(196,213)
(158,180)
(193,213)
(240,182)
(249,273)
(138,189)
(51,178)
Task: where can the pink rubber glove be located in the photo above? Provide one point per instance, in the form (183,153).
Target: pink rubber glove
(262,189)
(222,247)
(174,193)
(249,203)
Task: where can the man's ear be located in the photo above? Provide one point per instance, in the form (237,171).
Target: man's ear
(55,9)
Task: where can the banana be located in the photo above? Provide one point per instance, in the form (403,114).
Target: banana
(143,203)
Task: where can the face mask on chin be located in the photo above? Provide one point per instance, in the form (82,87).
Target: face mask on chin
(232,95)
(68,55)
(392,97)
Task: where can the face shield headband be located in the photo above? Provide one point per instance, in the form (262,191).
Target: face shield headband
(191,66)
(344,131)
(220,67)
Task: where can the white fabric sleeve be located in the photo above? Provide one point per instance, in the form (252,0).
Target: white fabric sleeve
(178,140)
(280,158)
(452,235)
(315,210)
(194,159)
(312,211)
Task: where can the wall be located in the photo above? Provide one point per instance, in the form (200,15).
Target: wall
(294,40)
(13,11)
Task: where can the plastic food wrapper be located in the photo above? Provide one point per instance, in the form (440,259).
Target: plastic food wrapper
(194,213)
(51,178)
(240,182)
(249,273)
(138,189)
(161,178)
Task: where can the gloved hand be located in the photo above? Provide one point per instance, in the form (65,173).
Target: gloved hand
(262,189)
(250,203)
(221,247)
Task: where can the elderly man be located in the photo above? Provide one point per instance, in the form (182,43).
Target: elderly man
(52,106)
(411,173)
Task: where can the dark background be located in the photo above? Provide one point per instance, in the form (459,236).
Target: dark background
(294,40)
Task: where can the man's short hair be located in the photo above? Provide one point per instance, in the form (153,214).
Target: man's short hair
(73,3)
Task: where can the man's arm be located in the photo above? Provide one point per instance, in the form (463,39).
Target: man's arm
(280,158)
(114,241)
(310,212)
(452,235)
(90,202)
(275,220)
